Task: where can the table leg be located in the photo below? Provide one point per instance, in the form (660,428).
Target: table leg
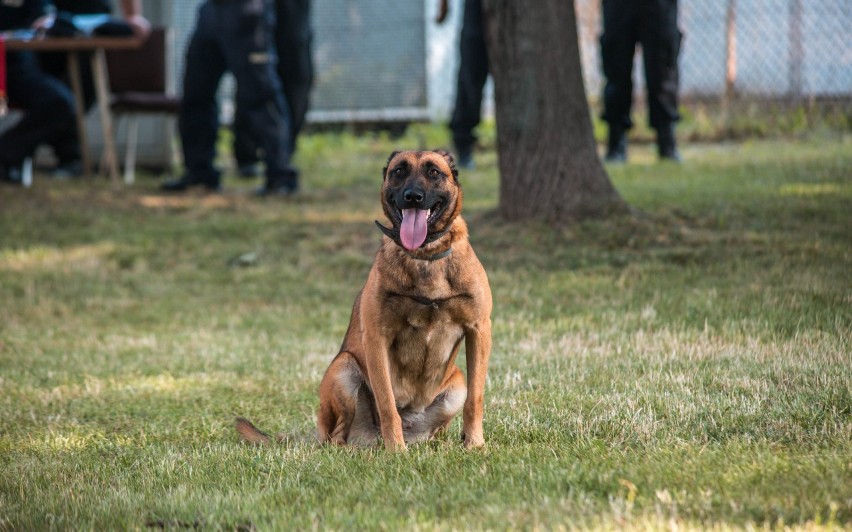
(99,69)
(79,110)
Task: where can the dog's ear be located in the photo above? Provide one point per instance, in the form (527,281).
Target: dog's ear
(390,158)
(450,161)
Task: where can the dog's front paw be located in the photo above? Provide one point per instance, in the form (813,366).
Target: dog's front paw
(397,447)
(394,441)
(476,441)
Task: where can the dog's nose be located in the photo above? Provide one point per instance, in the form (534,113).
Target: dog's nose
(414,195)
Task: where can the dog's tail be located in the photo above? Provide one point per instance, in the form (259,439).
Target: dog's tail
(250,433)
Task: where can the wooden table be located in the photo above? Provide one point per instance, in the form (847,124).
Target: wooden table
(97,47)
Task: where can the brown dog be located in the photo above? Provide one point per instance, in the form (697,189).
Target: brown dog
(395,374)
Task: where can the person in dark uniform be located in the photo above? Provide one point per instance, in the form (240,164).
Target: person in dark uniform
(235,36)
(47,103)
(293,38)
(473,73)
(66,145)
(653,24)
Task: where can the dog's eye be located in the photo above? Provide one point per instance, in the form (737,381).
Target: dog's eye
(433,172)
(398,172)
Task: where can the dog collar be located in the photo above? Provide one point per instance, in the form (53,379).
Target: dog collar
(436,256)
(393,234)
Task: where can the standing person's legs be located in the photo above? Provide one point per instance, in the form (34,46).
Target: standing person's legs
(618,45)
(661,39)
(48,109)
(473,73)
(251,57)
(199,115)
(293,38)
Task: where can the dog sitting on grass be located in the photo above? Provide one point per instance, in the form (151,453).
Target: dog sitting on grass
(395,377)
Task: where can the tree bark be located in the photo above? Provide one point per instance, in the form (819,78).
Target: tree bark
(549,166)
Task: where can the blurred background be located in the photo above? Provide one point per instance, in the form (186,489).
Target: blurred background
(748,67)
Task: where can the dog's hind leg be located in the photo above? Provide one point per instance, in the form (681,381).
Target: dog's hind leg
(364,431)
(346,414)
(419,426)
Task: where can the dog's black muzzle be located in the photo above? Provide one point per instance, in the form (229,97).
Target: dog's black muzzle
(415,197)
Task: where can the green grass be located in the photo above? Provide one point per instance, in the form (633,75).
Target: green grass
(689,367)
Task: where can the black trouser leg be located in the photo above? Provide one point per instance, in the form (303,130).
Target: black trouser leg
(245,146)
(199,116)
(661,39)
(473,73)
(618,46)
(296,70)
(294,38)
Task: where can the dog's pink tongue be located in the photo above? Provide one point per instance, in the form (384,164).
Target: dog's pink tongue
(413,229)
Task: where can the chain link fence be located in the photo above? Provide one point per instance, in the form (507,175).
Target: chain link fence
(747,66)
(750,66)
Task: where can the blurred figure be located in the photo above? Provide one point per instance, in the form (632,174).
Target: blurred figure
(473,73)
(235,36)
(47,103)
(653,24)
(66,145)
(293,37)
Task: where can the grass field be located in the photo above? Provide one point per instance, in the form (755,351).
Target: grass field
(688,368)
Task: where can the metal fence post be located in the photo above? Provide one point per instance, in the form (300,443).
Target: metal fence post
(730,59)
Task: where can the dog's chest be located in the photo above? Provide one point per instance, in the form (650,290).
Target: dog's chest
(424,340)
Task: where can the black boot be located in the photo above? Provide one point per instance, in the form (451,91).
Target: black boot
(286,185)
(277,188)
(12,173)
(667,143)
(465,157)
(188,181)
(616,151)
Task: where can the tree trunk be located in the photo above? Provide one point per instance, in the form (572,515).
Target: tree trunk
(549,166)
